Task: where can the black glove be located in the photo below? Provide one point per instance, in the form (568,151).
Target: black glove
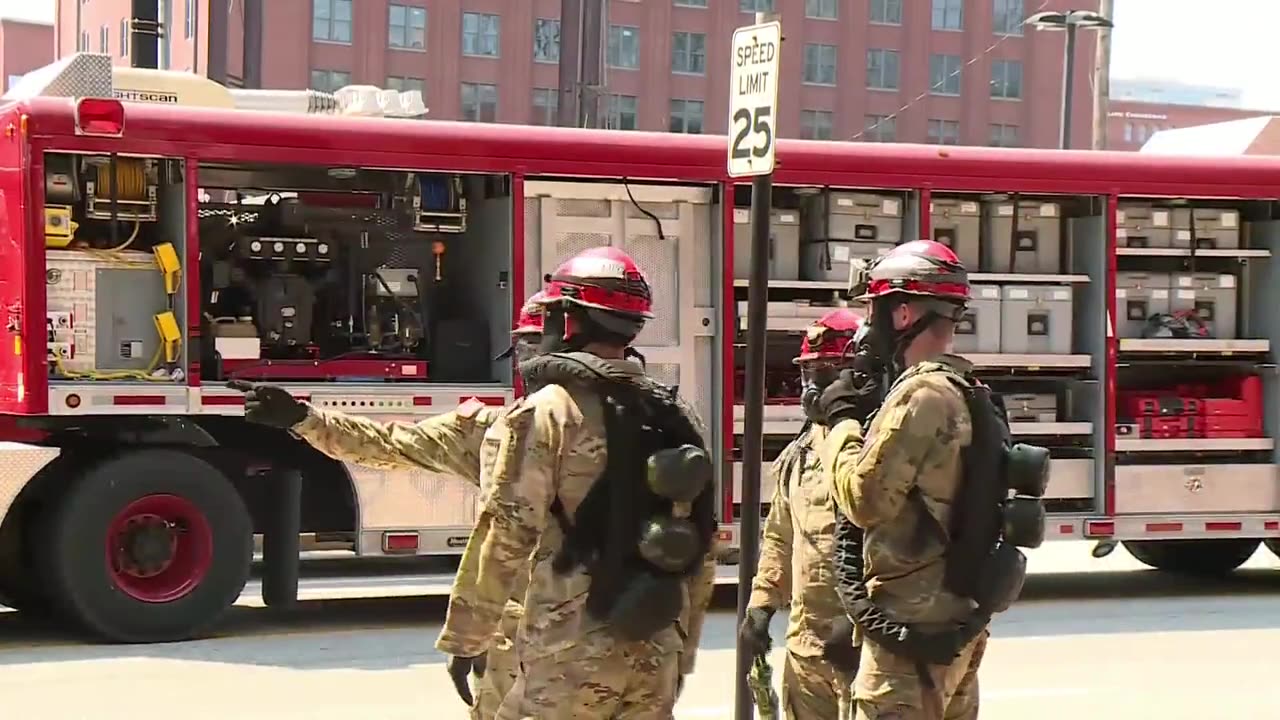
(852,396)
(838,648)
(269,404)
(460,667)
(754,631)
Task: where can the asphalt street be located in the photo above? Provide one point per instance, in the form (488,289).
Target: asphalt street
(1098,639)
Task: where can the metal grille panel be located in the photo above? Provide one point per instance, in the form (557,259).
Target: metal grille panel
(664,211)
(659,260)
(570,244)
(532,244)
(584,208)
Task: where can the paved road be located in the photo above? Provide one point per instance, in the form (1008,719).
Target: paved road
(1096,639)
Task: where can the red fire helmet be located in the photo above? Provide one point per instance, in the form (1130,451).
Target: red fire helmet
(830,336)
(529,322)
(602,278)
(920,267)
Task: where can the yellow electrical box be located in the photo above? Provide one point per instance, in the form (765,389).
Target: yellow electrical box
(169,265)
(170,335)
(59,228)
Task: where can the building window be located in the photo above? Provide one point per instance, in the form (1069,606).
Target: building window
(1004,136)
(621,112)
(686,116)
(189,19)
(820,9)
(479,102)
(882,69)
(480,34)
(886,12)
(689,53)
(1007,17)
(331,20)
(815,124)
(546,105)
(944,132)
(1006,79)
(755,5)
(104,39)
(881,128)
(624,47)
(407,27)
(1128,132)
(406,84)
(1142,132)
(948,14)
(819,64)
(329,80)
(944,74)
(546,40)
(691,3)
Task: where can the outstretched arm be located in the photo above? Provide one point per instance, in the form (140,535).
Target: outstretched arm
(448,443)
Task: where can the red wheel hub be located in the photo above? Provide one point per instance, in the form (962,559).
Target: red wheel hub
(159,548)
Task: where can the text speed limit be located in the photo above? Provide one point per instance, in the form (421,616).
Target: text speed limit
(753,97)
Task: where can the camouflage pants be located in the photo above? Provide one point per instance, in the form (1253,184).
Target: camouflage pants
(500,676)
(631,682)
(814,690)
(888,688)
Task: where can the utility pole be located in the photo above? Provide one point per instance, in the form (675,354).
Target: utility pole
(251,73)
(570,66)
(591,40)
(144,34)
(1102,79)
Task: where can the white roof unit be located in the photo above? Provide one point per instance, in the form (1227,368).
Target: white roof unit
(94,75)
(1250,136)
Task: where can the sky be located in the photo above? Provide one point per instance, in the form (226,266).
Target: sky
(1212,42)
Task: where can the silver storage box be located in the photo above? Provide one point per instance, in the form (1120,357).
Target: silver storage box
(830,260)
(1139,225)
(1035,249)
(1036,319)
(784,244)
(1215,229)
(1212,296)
(853,216)
(979,330)
(1031,407)
(957,224)
(1140,295)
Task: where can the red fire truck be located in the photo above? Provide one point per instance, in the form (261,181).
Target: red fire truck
(152,250)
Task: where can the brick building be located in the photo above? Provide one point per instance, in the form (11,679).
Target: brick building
(847,64)
(1130,123)
(24,46)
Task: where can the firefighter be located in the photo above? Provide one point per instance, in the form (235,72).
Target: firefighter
(447,444)
(604,472)
(798,545)
(898,486)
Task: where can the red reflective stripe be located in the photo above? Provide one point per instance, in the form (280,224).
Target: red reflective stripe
(1223,526)
(224,400)
(1164,527)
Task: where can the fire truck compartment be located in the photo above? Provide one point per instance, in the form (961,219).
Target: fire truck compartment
(354,274)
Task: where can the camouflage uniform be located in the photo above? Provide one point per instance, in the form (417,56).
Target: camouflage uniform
(909,465)
(551,445)
(447,444)
(795,568)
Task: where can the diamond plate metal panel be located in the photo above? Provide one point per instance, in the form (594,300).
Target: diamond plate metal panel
(584,208)
(412,499)
(80,75)
(659,260)
(18,464)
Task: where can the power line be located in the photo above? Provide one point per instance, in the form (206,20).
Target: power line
(943,81)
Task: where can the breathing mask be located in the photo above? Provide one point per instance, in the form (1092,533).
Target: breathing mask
(814,378)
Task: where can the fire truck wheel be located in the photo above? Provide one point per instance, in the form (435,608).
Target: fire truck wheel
(1193,557)
(149,546)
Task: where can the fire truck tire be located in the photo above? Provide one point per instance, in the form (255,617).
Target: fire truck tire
(152,545)
(1204,558)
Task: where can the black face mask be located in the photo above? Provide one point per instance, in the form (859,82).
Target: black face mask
(813,380)
(553,328)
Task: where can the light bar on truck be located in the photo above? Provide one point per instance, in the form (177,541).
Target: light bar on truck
(102,117)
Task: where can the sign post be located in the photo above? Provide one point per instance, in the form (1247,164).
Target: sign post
(753,103)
